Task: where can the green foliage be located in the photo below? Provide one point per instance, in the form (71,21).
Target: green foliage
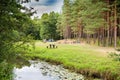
(44,30)
(66,13)
(12,27)
(66,19)
(115,56)
(6,71)
(13,24)
(60,25)
(118,7)
(34,29)
(48,26)
(81,15)
(90,14)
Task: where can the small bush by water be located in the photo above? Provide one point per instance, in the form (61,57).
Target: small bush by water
(115,56)
(6,71)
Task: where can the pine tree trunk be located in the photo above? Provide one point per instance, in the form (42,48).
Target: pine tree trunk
(118,31)
(79,33)
(111,27)
(115,26)
(99,37)
(108,24)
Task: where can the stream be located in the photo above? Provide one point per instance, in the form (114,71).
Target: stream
(39,70)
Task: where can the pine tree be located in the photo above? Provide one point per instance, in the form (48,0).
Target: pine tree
(66,18)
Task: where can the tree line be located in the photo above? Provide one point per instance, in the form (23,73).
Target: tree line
(96,21)
(44,27)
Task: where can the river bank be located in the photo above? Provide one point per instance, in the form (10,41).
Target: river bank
(40,70)
(83,59)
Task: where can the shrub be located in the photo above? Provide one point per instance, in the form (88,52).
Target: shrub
(115,56)
(6,71)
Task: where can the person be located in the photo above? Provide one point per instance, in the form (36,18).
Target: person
(50,45)
(53,45)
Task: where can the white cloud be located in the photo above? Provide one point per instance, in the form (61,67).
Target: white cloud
(42,8)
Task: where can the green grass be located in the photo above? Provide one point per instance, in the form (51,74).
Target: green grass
(83,59)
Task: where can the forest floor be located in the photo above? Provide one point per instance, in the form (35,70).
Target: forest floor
(92,61)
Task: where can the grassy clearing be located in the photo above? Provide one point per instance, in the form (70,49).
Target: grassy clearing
(83,59)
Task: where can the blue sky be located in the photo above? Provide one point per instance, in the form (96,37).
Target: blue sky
(45,6)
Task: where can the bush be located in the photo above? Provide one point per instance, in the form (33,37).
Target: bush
(6,71)
(115,56)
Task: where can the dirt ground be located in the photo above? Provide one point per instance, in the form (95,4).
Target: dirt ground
(104,50)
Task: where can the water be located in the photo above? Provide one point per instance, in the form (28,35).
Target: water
(44,71)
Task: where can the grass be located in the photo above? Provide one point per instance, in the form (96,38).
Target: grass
(83,59)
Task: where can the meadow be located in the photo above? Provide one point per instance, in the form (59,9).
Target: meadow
(91,61)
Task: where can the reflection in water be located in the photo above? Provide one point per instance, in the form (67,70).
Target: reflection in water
(20,62)
(44,71)
(30,73)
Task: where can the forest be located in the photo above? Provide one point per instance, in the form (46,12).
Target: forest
(95,22)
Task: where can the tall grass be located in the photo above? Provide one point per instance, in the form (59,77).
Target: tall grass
(79,58)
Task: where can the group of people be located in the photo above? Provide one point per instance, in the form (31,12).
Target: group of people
(52,46)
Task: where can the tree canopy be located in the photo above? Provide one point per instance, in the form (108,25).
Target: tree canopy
(87,19)
(13,24)
(48,26)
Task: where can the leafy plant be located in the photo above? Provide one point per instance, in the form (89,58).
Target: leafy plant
(6,71)
(115,56)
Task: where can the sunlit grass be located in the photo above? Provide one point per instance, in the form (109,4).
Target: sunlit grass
(80,58)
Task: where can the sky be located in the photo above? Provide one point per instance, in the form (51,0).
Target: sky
(45,6)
